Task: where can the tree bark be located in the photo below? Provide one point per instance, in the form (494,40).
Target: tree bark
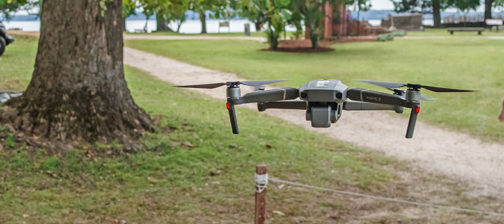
(161,23)
(436,10)
(488,9)
(78,91)
(203,21)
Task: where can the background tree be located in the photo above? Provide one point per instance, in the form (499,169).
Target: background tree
(174,11)
(276,13)
(464,5)
(253,13)
(313,16)
(8,7)
(433,7)
(128,9)
(149,9)
(78,91)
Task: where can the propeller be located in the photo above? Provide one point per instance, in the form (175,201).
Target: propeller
(232,83)
(401,92)
(393,85)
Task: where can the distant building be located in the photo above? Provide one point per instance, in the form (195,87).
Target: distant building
(407,22)
(338,23)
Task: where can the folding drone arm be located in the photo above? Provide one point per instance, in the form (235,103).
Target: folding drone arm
(267,96)
(355,106)
(370,96)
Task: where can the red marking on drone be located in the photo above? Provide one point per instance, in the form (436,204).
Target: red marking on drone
(227,106)
(417,110)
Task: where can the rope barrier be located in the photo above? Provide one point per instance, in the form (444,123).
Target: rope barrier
(423,204)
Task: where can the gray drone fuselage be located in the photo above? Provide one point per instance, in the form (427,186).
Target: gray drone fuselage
(324,99)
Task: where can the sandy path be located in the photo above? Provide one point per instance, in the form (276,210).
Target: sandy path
(433,149)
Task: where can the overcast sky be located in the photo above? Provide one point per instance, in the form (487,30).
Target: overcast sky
(382,4)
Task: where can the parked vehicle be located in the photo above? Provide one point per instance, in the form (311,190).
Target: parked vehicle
(4,39)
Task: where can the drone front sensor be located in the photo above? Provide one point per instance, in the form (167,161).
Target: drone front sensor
(325,99)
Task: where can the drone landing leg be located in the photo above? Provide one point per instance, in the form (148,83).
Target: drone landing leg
(412,121)
(232,117)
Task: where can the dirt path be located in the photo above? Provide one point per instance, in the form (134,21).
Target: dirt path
(433,149)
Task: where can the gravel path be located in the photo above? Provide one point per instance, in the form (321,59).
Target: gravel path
(433,149)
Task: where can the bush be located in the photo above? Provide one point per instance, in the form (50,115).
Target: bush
(385,37)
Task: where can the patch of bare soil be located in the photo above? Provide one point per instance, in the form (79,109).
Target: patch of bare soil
(304,46)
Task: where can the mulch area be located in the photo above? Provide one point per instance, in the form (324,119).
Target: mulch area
(304,46)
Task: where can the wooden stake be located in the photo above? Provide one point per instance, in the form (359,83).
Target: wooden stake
(260,198)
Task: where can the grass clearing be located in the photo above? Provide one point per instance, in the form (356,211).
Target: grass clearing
(457,63)
(194,171)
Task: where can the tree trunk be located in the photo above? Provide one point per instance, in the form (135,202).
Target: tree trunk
(78,91)
(257,26)
(488,9)
(161,23)
(436,10)
(203,21)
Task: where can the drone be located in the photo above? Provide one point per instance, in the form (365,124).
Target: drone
(325,99)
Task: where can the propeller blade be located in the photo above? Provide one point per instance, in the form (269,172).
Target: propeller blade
(260,83)
(393,85)
(204,86)
(389,85)
(445,90)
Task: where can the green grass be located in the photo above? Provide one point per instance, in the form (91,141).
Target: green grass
(17,63)
(222,34)
(456,63)
(194,171)
(444,32)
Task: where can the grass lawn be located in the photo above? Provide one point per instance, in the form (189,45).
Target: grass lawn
(444,32)
(222,34)
(194,171)
(457,63)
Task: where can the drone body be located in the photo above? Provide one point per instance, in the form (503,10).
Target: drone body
(325,99)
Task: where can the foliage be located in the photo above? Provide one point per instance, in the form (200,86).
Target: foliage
(129,7)
(276,14)
(385,37)
(464,5)
(313,16)
(8,7)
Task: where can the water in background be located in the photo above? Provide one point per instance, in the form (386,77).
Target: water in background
(189,26)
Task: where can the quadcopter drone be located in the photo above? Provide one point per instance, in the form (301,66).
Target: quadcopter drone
(325,99)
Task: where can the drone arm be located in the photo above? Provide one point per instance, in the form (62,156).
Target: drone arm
(268,96)
(297,105)
(376,97)
(353,105)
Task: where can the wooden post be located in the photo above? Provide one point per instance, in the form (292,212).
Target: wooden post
(261,180)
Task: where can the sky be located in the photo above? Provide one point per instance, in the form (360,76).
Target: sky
(382,4)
